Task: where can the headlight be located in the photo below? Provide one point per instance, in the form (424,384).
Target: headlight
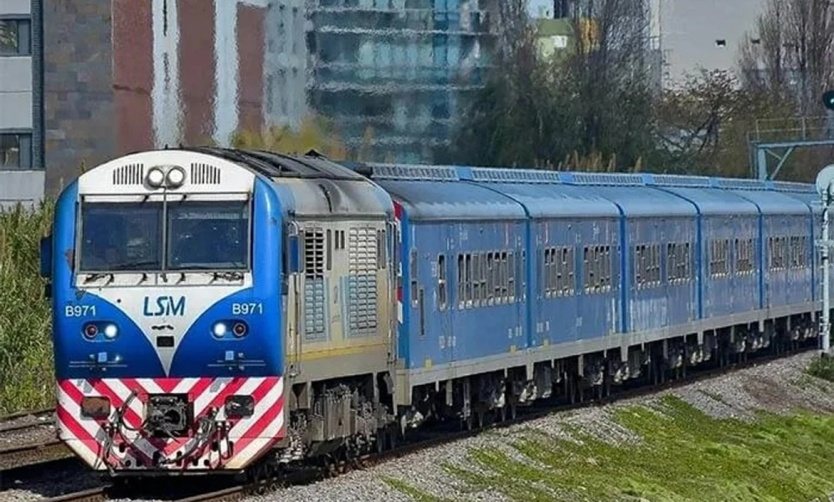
(176,177)
(155,177)
(240,329)
(110,331)
(239,406)
(90,331)
(219,329)
(95,407)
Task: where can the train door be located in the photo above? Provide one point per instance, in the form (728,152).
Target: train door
(445,300)
(291,298)
(540,262)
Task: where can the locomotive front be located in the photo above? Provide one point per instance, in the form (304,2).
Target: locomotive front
(165,270)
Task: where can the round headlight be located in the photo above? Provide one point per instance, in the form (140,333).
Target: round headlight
(219,330)
(176,177)
(110,331)
(155,177)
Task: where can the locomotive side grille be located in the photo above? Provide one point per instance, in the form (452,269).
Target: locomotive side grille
(204,174)
(314,290)
(131,174)
(362,269)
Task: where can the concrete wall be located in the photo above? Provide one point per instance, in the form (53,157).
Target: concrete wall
(690,28)
(79,108)
(128,75)
(21,186)
(17,112)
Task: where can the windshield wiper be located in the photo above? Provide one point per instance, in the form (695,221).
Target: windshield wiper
(229,276)
(99,275)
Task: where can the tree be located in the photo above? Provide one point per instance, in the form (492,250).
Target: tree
(314,133)
(609,78)
(791,53)
(703,125)
(594,104)
(790,57)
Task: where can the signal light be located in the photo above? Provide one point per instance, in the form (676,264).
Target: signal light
(90,331)
(828,99)
(240,329)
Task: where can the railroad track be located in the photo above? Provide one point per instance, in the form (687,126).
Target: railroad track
(422,441)
(27,420)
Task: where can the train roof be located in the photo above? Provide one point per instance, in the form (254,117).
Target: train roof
(433,196)
(578,194)
(310,185)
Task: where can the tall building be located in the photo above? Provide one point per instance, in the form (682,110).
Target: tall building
(125,75)
(703,34)
(391,73)
(21,123)
(112,77)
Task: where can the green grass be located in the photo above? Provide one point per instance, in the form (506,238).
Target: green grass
(822,367)
(26,374)
(684,455)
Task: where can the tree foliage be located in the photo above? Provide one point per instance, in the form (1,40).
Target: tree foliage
(592,108)
(598,105)
(314,133)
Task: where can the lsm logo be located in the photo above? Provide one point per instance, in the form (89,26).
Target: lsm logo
(164,306)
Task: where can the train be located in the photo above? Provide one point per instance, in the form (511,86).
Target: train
(219,311)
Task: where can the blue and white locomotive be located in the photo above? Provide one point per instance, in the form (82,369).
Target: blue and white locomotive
(216,309)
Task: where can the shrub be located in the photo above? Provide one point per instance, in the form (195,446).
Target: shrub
(822,367)
(26,371)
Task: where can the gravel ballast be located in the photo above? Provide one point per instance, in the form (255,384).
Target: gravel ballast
(779,387)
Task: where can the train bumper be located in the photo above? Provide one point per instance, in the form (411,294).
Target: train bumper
(170,425)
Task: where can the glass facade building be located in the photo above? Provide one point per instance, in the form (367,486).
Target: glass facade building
(391,73)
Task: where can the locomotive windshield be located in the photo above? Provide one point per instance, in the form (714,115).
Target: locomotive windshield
(183,236)
(208,235)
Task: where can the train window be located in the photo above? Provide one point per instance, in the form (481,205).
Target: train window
(461,282)
(496,277)
(678,260)
(511,277)
(568,264)
(799,252)
(744,256)
(476,279)
(413,268)
(719,258)
(603,269)
(597,276)
(655,270)
(647,265)
(381,255)
(489,290)
(777,253)
(329,250)
(442,294)
(505,276)
(469,281)
(522,272)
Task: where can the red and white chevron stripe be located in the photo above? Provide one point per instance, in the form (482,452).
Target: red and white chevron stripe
(243,440)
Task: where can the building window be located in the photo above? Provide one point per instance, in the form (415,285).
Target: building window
(15,37)
(15,150)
